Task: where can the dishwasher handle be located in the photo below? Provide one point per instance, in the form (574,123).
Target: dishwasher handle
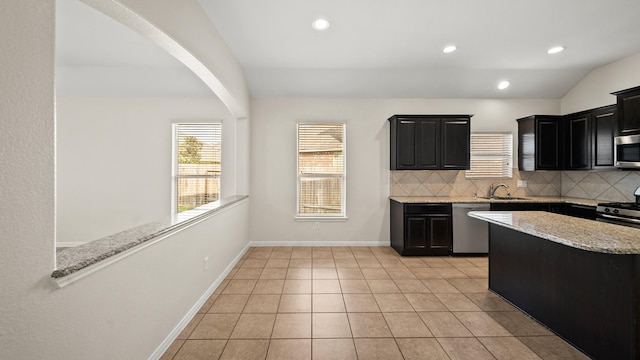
(472,206)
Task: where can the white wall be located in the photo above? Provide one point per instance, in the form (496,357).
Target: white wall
(113,161)
(124,311)
(273,158)
(596,88)
(199,46)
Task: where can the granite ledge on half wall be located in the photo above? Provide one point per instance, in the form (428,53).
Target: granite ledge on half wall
(74,259)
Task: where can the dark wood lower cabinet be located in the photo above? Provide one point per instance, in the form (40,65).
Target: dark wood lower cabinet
(421,229)
(588,298)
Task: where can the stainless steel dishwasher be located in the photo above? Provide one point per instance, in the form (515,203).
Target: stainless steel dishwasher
(470,236)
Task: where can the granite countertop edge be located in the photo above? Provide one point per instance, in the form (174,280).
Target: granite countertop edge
(77,258)
(471,200)
(578,233)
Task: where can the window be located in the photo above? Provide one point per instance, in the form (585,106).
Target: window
(491,156)
(321,170)
(197,157)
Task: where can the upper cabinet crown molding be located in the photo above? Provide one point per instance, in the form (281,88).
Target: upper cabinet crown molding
(430,142)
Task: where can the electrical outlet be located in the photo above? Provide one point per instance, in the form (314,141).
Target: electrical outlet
(205,263)
(522,184)
(317,225)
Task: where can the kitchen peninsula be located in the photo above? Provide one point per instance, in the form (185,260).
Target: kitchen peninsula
(580,278)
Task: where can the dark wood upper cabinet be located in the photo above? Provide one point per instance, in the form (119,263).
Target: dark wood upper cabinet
(539,143)
(588,139)
(428,138)
(628,108)
(456,143)
(603,130)
(577,142)
(430,142)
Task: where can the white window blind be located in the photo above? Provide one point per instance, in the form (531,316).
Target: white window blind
(321,170)
(197,159)
(491,156)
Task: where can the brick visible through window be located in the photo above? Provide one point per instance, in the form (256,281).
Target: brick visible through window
(321,170)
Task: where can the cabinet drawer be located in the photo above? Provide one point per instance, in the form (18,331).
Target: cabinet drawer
(427,209)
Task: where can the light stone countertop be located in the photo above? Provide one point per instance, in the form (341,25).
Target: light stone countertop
(73,259)
(479,200)
(579,233)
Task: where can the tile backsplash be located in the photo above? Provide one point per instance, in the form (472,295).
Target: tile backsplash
(599,185)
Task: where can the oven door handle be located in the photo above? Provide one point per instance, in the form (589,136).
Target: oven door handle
(618,218)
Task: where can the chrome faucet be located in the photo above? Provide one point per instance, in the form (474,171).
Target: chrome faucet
(493,188)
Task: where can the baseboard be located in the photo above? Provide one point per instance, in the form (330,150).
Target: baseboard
(194,310)
(319,243)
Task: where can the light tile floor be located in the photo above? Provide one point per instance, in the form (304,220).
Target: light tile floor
(361,303)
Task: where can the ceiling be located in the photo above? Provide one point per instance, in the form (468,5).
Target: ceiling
(374,48)
(98,56)
(384,48)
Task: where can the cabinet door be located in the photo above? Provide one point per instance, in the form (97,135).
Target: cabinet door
(603,130)
(427,234)
(526,144)
(416,228)
(406,145)
(439,237)
(428,144)
(629,113)
(455,144)
(548,150)
(577,140)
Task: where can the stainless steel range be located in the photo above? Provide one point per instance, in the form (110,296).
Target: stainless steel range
(627,214)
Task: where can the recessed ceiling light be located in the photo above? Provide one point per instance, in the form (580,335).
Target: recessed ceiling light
(320,24)
(555,50)
(503,85)
(449,49)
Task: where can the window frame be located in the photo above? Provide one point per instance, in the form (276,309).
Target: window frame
(342,216)
(174,163)
(510,154)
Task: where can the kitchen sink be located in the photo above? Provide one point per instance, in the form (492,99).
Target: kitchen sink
(502,198)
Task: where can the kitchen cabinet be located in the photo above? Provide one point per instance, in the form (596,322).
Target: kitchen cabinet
(421,229)
(577,141)
(573,210)
(581,211)
(603,130)
(430,142)
(628,108)
(589,139)
(539,143)
(519,206)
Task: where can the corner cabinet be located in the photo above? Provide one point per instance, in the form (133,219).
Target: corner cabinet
(628,108)
(421,229)
(539,143)
(430,142)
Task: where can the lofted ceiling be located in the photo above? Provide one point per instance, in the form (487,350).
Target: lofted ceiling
(384,48)
(98,56)
(373,48)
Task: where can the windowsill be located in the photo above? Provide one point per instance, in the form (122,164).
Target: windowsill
(78,262)
(321,218)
